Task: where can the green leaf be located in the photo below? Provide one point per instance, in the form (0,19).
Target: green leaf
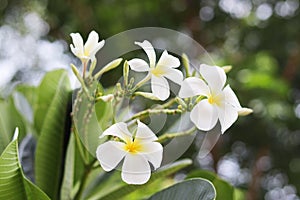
(114,191)
(47,90)
(193,189)
(25,97)
(30,92)
(68,180)
(85,120)
(13,184)
(23,106)
(224,190)
(9,120)
(51,113)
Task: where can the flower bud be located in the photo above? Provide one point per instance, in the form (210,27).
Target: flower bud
(125,72)
(147,95)
(245,111)
(186,64)
(227,68)
(107,98)
(113,64)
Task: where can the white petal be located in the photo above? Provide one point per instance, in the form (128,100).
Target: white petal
(153,151)
(96,49)
(92,41)
(174,75)
(231,98)
(136,169)
(144,133)
(75,51)
(110,154)
(167,60)
(77,40)
(148,48)
(193,86)
(119,130)
(204,115)
(160,87)
(227,116)
(214,76)
(138,65)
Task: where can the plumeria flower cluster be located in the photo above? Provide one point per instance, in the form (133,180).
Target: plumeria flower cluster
(87,54)
(216,101)
(138,151)
(88,50)
(205,96)
(158,72)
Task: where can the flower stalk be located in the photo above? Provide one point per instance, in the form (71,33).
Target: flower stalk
(168,136)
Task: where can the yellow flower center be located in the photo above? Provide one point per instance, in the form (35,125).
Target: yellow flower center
(214,99)
(133,147)
(157,71)
(86,52)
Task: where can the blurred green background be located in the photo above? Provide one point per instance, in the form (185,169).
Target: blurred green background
(259,38)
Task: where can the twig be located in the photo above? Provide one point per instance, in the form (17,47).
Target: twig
(168,136)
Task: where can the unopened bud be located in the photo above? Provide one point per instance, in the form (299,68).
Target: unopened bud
(179,107)
(147,95)
(75,70)
(77,74)
(181,102)
(245,111)
(113,64)
(227,68)
(125,72)
(107,98)
(186,64)
(92,67)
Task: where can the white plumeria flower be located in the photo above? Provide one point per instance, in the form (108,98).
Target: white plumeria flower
(159,71)
(137,152)
(220,103)
(89,49)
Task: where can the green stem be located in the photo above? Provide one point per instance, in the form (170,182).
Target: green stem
(168,136)
(84,178)
(139,84)
(147,112)
(80,147)
(84,63)
(81,80)
(168,104)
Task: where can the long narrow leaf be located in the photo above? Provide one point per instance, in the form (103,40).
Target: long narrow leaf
(49,150)
(13,184)
(67,185)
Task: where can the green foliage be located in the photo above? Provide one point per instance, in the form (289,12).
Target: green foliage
(9,120)
(224,191)
(68,180)
(90,118)
(29,92)
(50,120)
(192,189)
(104,109)
(13,184)
(116,189)
(265,60)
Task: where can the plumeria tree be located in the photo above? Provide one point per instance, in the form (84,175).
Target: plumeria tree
(103,133)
